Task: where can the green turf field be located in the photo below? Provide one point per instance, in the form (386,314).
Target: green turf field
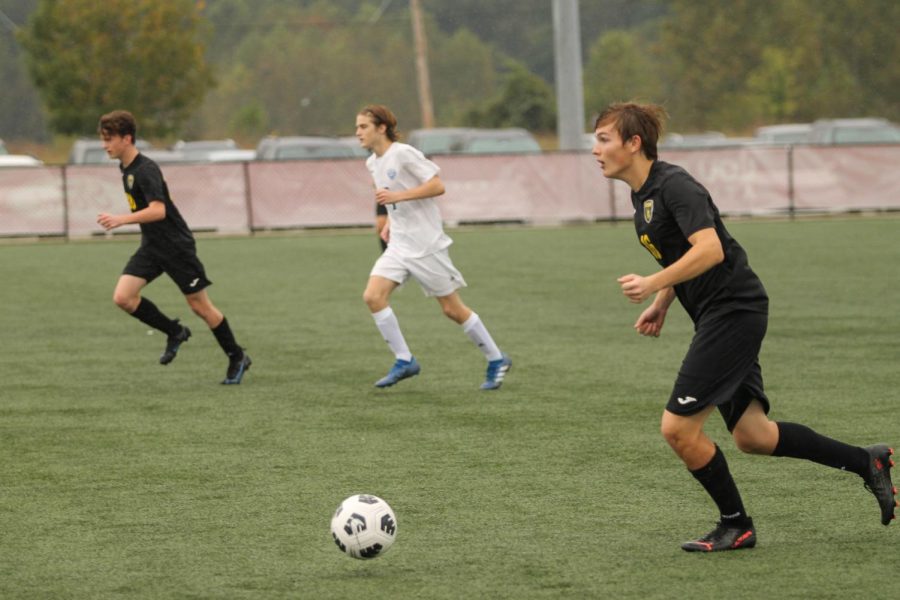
(121,478)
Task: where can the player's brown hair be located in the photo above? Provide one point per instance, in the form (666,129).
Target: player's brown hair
(382,115)
(631,119)
(118,122)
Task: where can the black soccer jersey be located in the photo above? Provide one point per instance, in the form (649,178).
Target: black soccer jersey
(144,182)
(669,208)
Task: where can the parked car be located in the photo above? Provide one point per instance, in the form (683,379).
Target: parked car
(785,133)
(692,140)
(19,160)
(438,140)
(353,143)
(472,140)
(233,155)
(163,156)
(854,131)
(89,151)
(513,140)
(303,148)
(199,150)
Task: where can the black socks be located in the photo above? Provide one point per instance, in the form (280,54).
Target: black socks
(147,313)
(226,339)
(717,481)
(799,441)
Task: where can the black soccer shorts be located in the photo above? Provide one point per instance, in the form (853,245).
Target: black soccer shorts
(183,267)
(380,210)
(721,367)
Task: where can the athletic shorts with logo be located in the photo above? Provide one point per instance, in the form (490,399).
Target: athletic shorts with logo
(435,272)
(721,367)
(182,266)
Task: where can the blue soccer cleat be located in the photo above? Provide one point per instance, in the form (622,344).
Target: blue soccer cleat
(173,343)
(237,366)
(496,371)
(402,369)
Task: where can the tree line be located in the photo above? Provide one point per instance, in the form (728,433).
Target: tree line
(249,68)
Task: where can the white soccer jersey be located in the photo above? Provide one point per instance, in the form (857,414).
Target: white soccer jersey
(416,226)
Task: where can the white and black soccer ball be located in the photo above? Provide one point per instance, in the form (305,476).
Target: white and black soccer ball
(364,526)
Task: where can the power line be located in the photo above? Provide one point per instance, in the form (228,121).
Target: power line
(7,22)
(380,11)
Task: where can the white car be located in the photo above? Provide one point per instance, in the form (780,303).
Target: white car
(304,148)
(854,131)
(785,133)
(89,151)
(19,160)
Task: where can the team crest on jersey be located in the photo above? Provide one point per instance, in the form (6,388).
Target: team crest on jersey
(129,181)
(392,173)
(648,210)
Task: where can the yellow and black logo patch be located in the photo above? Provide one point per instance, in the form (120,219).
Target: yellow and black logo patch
(648,210)
(129,181)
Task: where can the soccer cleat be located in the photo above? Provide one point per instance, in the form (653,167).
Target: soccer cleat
(496,371)
(724,537)
(878,480)
(237,366)
(173,343)
(402,369)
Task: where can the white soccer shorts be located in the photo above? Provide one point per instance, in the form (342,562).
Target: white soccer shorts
(435,272)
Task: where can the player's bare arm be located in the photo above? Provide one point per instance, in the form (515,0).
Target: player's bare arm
(431,188)
(705,253)
(650,322)
(156,211)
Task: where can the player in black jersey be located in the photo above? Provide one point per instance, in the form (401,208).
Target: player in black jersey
(167,246)
(707,270)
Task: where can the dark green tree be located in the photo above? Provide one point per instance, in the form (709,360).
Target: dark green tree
(146,56)
(525,100)
(734,64)
(620,67)
(307,70)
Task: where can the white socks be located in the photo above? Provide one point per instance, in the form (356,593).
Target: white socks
(479,335)
(387,324)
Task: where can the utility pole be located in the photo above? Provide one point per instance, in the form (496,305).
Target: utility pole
(421,47)
(569,88)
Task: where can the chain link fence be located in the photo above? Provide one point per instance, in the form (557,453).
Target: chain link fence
(550,188)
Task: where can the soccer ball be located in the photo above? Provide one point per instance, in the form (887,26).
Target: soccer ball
(364,526)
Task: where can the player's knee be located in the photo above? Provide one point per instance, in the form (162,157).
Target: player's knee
(126,302)
(201,307)
(374,300)
(674,436)
(752,441)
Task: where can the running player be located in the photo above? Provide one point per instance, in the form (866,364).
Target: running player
(708,271)
(167,246)
(407,183)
